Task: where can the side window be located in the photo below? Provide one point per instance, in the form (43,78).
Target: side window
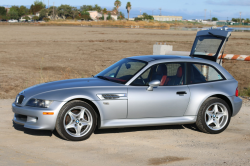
(169,74)
(142,80)
(200,73)
(126,70)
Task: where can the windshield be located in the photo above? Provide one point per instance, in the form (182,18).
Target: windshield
(122,71)
(207,45)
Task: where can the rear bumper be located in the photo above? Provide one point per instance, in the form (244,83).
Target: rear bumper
(33,118)
(237,103)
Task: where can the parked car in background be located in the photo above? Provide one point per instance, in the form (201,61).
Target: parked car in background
(12,20)
(138,91)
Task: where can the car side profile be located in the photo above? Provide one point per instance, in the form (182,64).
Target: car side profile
(138,91)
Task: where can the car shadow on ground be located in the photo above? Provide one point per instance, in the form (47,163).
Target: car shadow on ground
(135,129)
(31,131)
(106,131)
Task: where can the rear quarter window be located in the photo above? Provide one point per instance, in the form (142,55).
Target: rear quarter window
(201,73)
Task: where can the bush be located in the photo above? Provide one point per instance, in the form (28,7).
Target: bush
(69,18)
(245,92)
(36,18)
(138,19)
(77,18)
(46,19)
(26,18)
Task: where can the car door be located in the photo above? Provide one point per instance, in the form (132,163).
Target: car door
(170,99)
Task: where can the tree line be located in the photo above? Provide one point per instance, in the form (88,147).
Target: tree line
(63,11)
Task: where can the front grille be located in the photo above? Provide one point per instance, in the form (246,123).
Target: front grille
(20,99)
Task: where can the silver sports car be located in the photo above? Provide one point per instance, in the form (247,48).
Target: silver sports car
(139,91)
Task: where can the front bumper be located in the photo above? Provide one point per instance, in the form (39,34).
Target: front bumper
(33,118)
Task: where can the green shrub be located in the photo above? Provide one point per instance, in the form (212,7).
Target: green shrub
(46,19)
(245,92)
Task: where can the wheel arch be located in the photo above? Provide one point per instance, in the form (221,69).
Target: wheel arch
(225,98)
(93,106)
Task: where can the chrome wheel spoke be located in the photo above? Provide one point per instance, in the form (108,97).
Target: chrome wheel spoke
(209,113)
(70,125)
(215,110)
(81,113)
(221,114)
(85,122)
(78,130)
(210,121)
(72,116)
(217,124)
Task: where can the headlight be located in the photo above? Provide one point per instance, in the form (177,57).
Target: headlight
(39,103)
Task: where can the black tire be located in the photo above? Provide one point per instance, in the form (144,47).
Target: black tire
(202,116)
(62,117)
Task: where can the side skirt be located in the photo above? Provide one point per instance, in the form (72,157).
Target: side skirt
(116,123)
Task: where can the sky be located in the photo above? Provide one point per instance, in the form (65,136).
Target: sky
(188,9)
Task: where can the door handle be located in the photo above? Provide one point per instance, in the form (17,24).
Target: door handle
(181,93)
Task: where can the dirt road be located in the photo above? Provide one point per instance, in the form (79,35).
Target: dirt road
(33,54)
(165,145)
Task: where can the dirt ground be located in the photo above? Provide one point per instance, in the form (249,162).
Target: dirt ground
(34,54)
(159,145)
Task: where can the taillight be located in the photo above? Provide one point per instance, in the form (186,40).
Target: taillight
(237,92)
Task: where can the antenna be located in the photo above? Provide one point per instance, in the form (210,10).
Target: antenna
(205,14)
(240,17)
(160,11)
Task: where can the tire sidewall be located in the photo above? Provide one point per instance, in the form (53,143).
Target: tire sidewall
(62,113)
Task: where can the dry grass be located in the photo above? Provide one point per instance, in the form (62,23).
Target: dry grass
(141,24)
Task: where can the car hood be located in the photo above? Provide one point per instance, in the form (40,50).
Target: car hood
(67,84)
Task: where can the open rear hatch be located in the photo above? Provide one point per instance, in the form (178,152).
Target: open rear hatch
(209,43)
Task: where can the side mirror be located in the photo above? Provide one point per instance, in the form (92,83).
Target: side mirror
(152,84)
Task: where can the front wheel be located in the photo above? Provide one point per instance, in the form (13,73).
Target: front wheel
(76,121)
(214,116)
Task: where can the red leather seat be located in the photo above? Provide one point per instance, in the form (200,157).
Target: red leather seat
(161,74)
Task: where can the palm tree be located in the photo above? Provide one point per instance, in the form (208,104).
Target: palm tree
(117,4)
(97,8)
(128,7)
(115,10)
(104,11)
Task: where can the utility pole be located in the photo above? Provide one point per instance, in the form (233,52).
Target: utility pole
(210,16)
(53,11)
(205,14)
(160,11)
(240,18)
(48,3)
(140,11)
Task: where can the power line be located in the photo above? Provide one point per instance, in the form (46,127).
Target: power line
(160,11)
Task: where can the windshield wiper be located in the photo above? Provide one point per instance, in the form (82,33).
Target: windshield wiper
(102,77)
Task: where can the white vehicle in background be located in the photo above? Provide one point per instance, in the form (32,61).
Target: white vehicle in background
(13,21)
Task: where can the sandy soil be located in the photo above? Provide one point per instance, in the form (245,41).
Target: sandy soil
(33,54)
(164,145)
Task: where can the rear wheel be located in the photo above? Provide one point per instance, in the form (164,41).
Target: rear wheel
(214,116)
(76,121)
